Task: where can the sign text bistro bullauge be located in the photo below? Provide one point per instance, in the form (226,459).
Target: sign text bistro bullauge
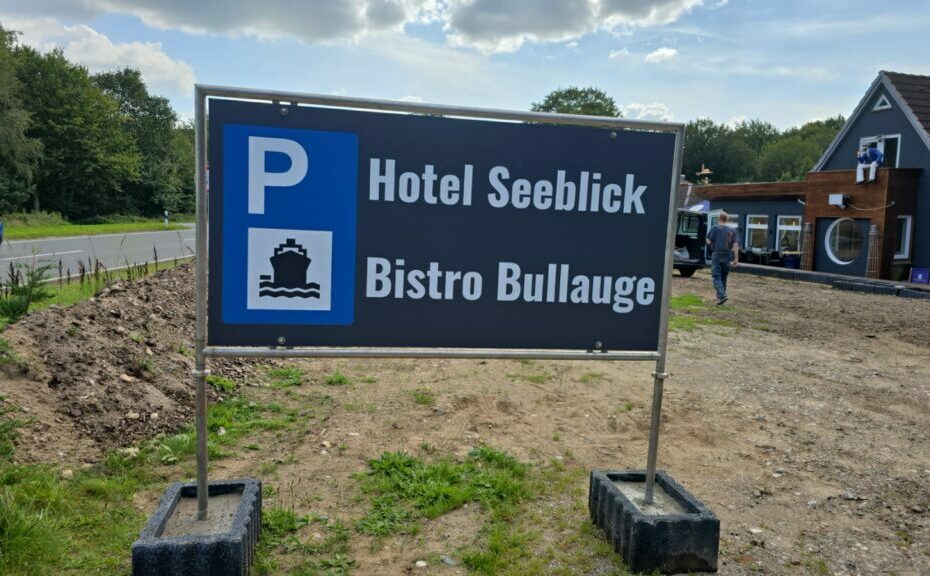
(337,227)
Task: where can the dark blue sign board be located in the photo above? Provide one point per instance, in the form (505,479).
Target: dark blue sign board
(346,228)
(920,275)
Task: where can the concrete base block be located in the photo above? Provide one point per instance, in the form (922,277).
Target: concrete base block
(174,542)
(675,534)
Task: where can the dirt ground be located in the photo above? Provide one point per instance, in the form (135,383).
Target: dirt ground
(798,413)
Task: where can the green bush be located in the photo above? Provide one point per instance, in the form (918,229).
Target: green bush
(24,285)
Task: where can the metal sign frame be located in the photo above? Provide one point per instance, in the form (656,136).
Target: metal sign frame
(202,351)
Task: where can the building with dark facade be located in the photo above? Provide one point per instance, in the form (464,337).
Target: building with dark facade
(836,222)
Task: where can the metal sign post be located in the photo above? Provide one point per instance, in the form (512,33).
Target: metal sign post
(356,228)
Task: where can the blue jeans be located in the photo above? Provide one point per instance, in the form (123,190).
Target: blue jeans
(719,270)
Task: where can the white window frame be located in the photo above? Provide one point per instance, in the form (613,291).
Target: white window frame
(779,227)
(908,226)
(750,226)
(866,140)
(883,104)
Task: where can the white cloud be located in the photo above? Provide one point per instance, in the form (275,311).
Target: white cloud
(411,98)
(619,54)
(735,121)
(653,111)
(86,46)
(663,54)
(486,25)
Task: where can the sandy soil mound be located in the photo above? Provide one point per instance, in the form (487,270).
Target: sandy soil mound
(109,371)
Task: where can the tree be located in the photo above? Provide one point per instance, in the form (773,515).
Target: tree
(572,100)
(88,158)
(717,147)
(182,155)
(797,150)
(150,122)
(18,152)
(755,134)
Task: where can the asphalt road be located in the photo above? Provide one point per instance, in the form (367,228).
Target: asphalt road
(112,250)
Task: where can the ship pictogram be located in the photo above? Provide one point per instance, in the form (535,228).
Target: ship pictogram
(290,263)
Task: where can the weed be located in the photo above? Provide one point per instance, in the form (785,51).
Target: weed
(137,338)
(386,517)
(326,554)
(424,397)
(278,523)
(226,422)
(512,545)
(24,286)
(540,378)
(359,406)
(286,376)
(143,366)
(406,487)
(336,379)
(590,377)
(7,354)
(181,349)
(818,566)
(8,429)
(221,384)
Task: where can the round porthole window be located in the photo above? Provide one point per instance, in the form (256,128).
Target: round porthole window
(844,241)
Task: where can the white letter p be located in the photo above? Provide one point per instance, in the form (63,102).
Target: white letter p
(259,179)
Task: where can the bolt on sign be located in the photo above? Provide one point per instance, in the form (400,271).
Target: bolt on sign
(339,227)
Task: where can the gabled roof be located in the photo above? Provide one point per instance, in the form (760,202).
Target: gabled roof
(910,92)
(915,91)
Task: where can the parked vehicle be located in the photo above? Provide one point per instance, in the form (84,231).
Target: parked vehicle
(690,248)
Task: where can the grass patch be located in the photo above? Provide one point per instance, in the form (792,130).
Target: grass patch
(9,429)
(687,314)
(28,231)
(424,397)
(182,349)
(687,302)
(326,553)
(285,376)
(336,379)
(227,422)
(406,488)
(591,377)
(538,378)
(7,354)
(222,384)
(82,525)
(513,545)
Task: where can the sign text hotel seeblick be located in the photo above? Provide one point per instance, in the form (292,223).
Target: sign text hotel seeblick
(586,192)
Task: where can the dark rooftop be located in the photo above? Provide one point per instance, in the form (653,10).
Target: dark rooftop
(915,90)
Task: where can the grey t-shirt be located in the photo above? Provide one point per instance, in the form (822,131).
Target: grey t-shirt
(721,238)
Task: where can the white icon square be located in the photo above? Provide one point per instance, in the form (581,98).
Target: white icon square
(289,269)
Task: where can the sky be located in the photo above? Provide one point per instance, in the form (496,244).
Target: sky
(786,62)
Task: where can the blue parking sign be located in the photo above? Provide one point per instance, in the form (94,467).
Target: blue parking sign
(289,225)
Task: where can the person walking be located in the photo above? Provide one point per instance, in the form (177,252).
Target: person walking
(1,232)
(724,254)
